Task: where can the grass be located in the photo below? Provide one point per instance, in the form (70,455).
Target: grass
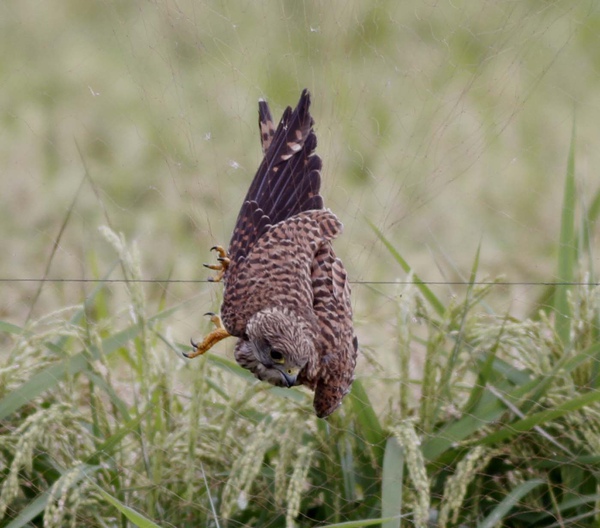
(444,130)
(506,434)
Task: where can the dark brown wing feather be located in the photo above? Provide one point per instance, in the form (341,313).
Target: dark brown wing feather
(265,125)
(288,180)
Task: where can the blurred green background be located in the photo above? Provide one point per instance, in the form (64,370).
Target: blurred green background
(446,124)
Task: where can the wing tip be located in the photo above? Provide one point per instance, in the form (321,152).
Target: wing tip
(266,125)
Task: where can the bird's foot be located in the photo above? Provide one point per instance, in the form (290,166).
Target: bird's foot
(221,267)
(211,339)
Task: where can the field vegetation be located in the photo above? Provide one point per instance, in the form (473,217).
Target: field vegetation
(460,147)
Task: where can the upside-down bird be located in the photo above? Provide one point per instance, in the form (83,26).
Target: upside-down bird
(287,297)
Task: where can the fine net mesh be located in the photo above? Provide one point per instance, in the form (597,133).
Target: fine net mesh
(447,132)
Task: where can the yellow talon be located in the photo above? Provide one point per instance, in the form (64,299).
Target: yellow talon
(211,339)
(222,266)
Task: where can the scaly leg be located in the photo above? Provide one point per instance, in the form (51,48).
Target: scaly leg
(211,339)
(222,266)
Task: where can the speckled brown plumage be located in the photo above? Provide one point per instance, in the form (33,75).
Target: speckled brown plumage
(287,297)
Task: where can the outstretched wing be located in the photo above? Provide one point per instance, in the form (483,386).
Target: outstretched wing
(288,180)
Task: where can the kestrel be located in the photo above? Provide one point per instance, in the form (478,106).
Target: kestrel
(287,297)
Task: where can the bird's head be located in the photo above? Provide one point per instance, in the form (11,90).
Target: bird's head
(282,342)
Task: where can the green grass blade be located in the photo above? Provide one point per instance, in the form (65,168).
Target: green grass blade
(102,384)
(136,518)
(112,444)
(360,524)
(538,419)
(475,266)
(566,365)
(54,374)
(30,512)
(489,408)
(587,501)
(508,503)
(436,304)
(445,382)
(485,373)
(589,220)
(10,328)
(588,223)
(370,428)
(567,252)
(38,505)
(594,208)
(391,486)
(454,433)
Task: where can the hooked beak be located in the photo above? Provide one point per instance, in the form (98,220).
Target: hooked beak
(290,376)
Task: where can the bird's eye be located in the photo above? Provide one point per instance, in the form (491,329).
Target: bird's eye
(277,356)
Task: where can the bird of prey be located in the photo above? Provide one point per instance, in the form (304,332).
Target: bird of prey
(287,297)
